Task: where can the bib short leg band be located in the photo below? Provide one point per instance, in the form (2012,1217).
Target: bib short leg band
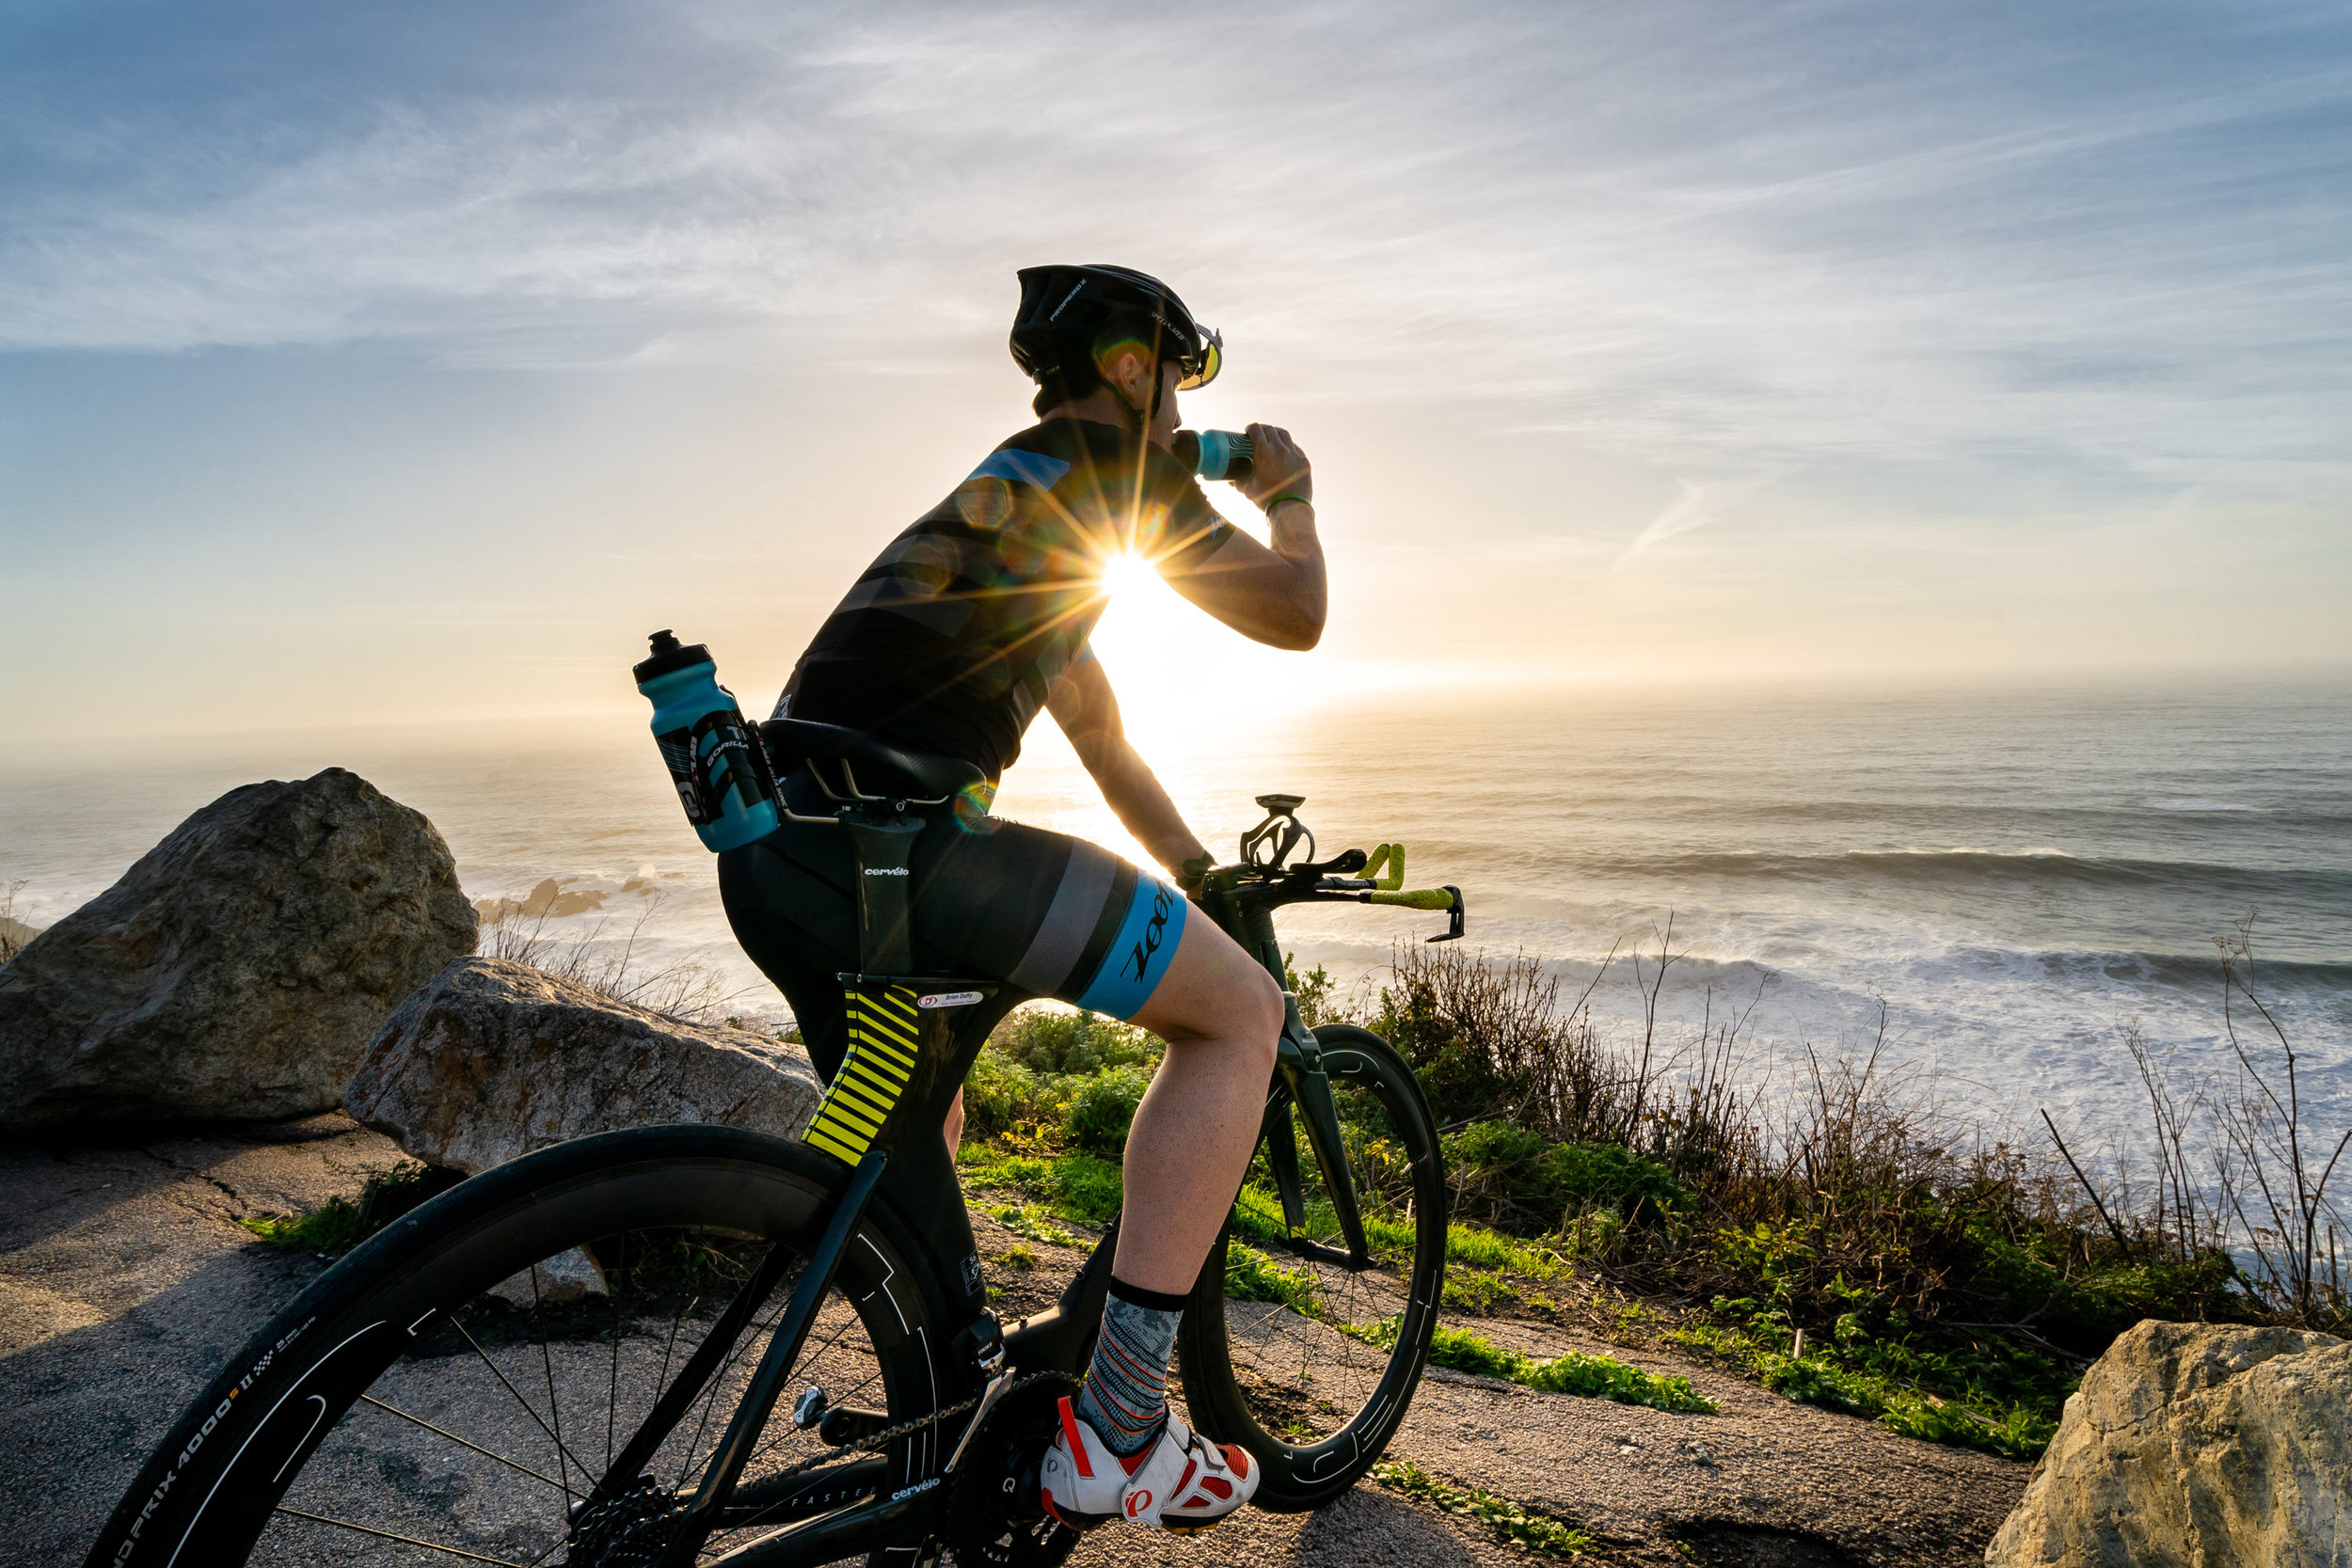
(1042,913)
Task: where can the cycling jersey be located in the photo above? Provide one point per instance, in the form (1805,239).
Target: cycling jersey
(952,640)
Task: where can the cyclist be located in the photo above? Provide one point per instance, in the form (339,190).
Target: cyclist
(966,625)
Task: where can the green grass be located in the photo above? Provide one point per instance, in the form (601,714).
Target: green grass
(1031,1226)
(341,1223)
(1075,1186)
(1251,1276)
(1591,1377)
(1990,1405)
(1506,1518)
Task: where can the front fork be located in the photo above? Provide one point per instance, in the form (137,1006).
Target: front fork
(1298,1064)
(1298,1061)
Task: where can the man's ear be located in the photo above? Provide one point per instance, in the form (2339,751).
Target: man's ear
(1129,373)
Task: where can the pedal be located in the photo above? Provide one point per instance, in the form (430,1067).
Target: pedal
(809,1408)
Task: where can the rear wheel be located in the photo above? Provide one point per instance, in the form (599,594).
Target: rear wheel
(455,1389)
(1307,1363)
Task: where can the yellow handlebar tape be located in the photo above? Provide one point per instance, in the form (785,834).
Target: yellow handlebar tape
(1418,898)
(1390,856)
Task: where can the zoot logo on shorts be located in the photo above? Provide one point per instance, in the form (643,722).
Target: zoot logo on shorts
(1149,944)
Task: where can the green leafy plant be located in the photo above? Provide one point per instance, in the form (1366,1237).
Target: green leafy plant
(341,1223)
(1030,1226)
(1506,1518)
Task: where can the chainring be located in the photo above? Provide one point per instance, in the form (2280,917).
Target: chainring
(995,1519)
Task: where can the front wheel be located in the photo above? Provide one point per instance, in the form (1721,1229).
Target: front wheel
(457,1388)
(1308,1363)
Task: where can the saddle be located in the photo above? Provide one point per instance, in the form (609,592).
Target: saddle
(848,766)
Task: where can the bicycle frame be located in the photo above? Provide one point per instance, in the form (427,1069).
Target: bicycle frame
(906,1165)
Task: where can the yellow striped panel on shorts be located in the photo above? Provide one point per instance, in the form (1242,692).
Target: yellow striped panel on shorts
(874,1072)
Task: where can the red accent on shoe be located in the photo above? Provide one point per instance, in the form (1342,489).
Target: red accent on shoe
(1237,1458)
(1216,1486)
(1192,1468)
(1047,1498)
(1069,1435)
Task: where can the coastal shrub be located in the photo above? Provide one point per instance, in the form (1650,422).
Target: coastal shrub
(1102,1108)
(1518,1180)
(1054,1041)
(1000,1095)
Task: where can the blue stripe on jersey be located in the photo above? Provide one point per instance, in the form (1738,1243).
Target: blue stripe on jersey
(1140,953)
(1030,468)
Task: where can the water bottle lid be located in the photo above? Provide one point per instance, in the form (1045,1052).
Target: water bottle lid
(669,655)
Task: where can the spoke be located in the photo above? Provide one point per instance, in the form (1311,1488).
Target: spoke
(477,1447)
(517,1392)
(710,1393)
(555,1406)
(404,1539)
(613,1384)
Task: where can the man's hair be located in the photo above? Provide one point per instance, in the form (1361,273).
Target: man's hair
(1076,373)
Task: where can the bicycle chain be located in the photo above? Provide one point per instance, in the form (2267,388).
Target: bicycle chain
(906,1428)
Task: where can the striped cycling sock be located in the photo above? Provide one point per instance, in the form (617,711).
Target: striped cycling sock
(1125,1396)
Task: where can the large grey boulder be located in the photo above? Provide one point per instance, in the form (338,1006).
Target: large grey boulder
(2196,1445)
(493,1059)
(238,969)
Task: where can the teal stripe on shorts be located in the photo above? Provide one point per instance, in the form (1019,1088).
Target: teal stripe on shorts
(1140,953)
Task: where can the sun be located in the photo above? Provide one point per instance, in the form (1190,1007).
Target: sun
(1149,640)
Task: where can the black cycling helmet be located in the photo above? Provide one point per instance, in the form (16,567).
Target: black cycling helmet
(1063,306)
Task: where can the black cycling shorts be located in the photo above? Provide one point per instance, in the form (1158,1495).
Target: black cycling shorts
(1041,913)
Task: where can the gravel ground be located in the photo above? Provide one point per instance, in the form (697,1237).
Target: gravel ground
(125,1281)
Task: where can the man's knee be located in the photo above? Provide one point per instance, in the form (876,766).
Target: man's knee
(1264,1014)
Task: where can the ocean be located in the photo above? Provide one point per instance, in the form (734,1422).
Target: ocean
(2007,879)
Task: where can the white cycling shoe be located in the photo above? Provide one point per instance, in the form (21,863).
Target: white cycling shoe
(1181,1483)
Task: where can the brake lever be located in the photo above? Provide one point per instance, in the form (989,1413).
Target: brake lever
(1454,918)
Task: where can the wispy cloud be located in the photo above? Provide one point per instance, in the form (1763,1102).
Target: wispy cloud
(2108,240)
(1700,503)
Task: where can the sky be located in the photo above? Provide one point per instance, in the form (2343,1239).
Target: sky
(402,364)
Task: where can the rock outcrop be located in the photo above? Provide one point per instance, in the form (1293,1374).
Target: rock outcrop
(236,972)
(2196,1445)
(493,1059)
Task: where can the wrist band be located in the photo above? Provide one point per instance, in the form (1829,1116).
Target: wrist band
(1272,501)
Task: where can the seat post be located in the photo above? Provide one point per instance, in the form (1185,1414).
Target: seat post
(883,852)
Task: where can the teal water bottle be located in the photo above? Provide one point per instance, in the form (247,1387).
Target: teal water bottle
(718,764)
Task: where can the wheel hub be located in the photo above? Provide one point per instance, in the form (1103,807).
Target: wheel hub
(628,1529)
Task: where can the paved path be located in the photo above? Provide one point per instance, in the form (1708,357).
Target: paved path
(125,1281)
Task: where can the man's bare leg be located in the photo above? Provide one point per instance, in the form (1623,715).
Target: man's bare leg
(1221,1014)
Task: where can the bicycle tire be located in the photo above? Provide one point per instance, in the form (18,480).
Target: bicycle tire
(1362,1388)
(219,1481)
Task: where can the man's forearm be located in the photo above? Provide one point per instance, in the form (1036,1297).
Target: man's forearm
(1291,535)
(1142,803)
